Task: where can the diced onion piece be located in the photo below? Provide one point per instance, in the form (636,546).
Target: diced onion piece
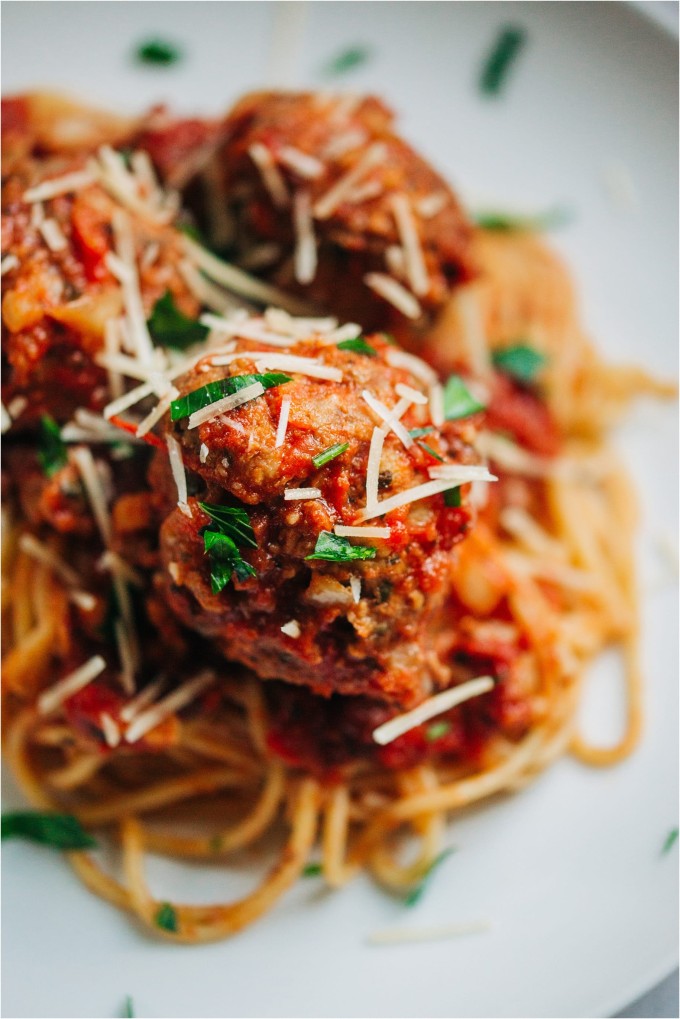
(50,699)
(444,701)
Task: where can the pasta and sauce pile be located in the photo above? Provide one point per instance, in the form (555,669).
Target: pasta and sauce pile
(311,529)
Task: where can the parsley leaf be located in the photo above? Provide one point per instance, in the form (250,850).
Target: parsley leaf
(202,397)
(128,1008)
(358,346)
(507,222)
(416,433)
(169,326)
(458,400)
(158,51)
(330,454)
(52,454)
(432,452)
(452,497)
(226,559)
(503,54)
(346,60)
(166,918)
(335,549)
(60,831)
(312,870)
(233,521)
(670,841)
(521,362)
(416,893)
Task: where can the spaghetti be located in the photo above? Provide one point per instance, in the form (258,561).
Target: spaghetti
(540,585)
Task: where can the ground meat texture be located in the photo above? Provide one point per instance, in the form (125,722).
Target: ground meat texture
(391,644)
(355,238)
(55,303)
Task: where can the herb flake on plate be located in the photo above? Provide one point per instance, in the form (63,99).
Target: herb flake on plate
(347,60)
(202,397)
(158,52)
(509,222)
(52,452)
(166,918)
(670,841)
(60,831)
(458,400)
(334,549)
(358,346)
(503,54)
(416,893)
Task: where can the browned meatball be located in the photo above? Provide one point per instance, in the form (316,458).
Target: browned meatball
(336,165)
(376,625)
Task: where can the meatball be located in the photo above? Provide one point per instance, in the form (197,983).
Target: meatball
(327,177)
(344,614)
(59,287)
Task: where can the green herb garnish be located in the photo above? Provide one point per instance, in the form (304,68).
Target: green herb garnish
(60,831)
(436,730)
(358,346)
(520,362)
(503,54)
(432,452)
(197,399)
(128,1008)
(226,560)
(416,893)
(166,918)
(52,453)
(158,51)
(233,521)
(169,326)
(458,400)
(452,497)
(346,60)
(416,433)
(330,454)
(335,549)
(312,870)
(670,841)
(507,222)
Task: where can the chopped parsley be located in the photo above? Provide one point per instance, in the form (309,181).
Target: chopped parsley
(501,57)
(432,452)
(416,893)
(458,400)
(128,1008)
(670,841)
(52,453)
(202,397)
(166,918)
(507,222)
(358,346)
(521,362)
(330,454)
(416,433)
(60,831)
(159,52)
(335,549)
(346,60)
(233,521)
(312,870)
(169,326)
(436,730)
(452,497)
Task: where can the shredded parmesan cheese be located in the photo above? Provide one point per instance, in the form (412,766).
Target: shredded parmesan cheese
(413,364)
(437,404)
(87,469)
(444,701)
(345,531)
(138,703)
(412,935)
(270,174)
(291,494)
(8,263)
(109,729)
(388,416)
(170,705)
(412,395)
(17,406)
(328,203)
(291,629)
(393,292)
(355,587)
(305,257)
(416,271)
(42,554)
(154,416)
(460,474)
(373,467)
(50,699)
(431,205)
(424,491)
(282,426)
(300,162)
(177,468)
(69,182)
(203,453)
(127,656)
(5,419)
(227,403)
(301,365)
(53,235)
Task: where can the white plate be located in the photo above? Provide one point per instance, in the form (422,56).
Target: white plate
(583,905)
